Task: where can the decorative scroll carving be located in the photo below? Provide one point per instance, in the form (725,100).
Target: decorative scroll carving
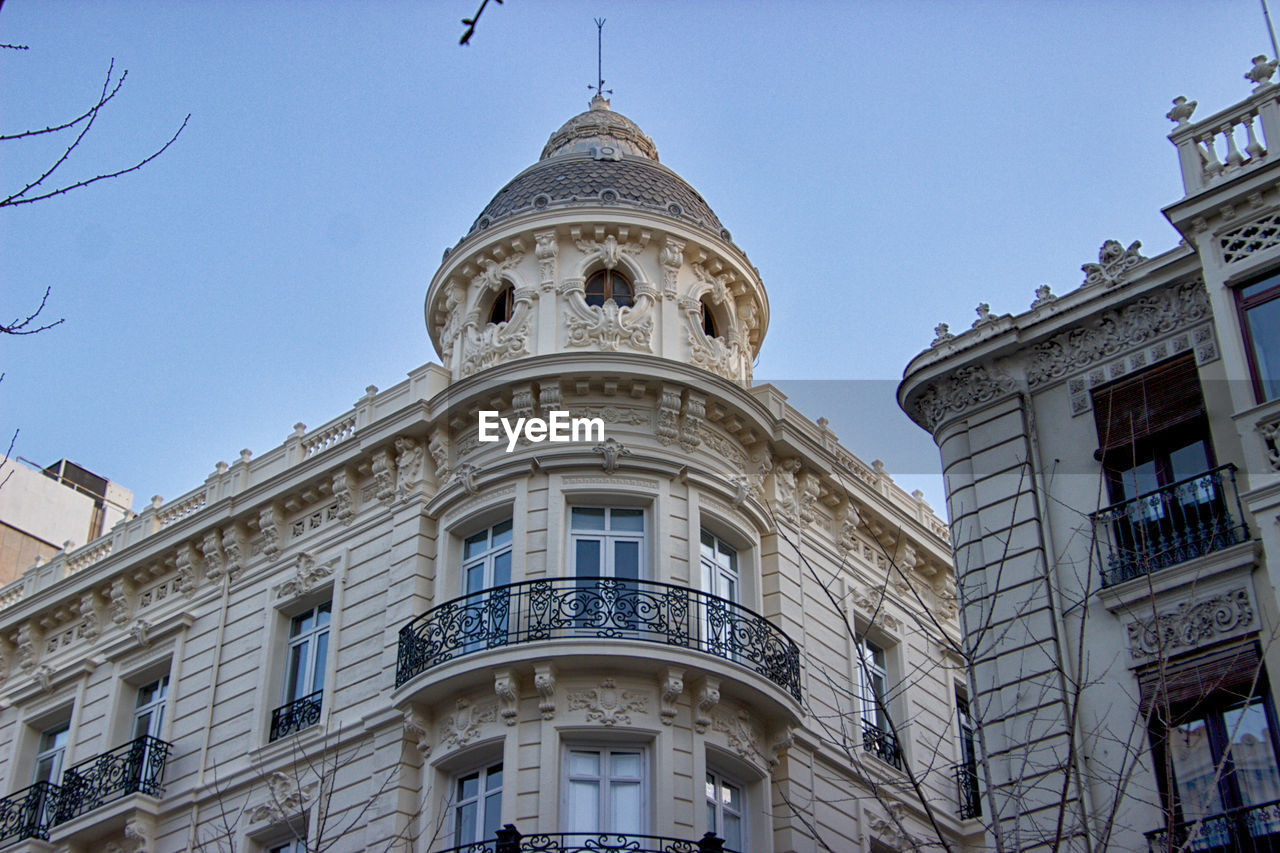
(1115,331)
(136,837)
(465,475)
(418,728)
(546,249)
(270,522)
(966,387)
(463,725)
(455,298)
(608,704)
(613,451)
(672,258)
(608,326)
(343,480)
(119,597)
(484,345)
(185,559)
(1191,624)
(785,494)
(285,799)
(507,687)
(140,630)
(782,740)
(544,681)
(25,642)
(708,696)
(410,466)
(1114,264)
(607,252)
(809,491)
(90,623)
(234,545)
(739,732)
(669,689)
(669,414)
(695,409)
(384,476)
(214,561)
(306,574)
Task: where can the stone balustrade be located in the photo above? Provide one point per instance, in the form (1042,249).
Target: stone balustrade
(1229,141)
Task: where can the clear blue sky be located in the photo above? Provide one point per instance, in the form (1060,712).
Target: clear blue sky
(886,166)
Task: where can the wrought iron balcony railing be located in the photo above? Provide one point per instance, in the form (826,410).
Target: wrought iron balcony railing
(509,840)
(28,813)
(970,803)
(598,608)
(1243,830)
(296,715)
(1173,524)
(883,745)
(135,768)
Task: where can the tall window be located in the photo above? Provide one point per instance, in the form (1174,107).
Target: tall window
(720,568)
(605,791)
(607,542)
(486,559)
(50,753)
(708,320)
(503,305)
(726,811)
(871,680)
(148,712)
(1260,319)
(967,770)
(605,285)
(477,809)
(308,647)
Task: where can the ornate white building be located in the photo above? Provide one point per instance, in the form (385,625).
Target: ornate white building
(703,624)
(1112,464)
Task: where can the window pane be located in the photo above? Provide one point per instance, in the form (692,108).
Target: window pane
(474,545)
(297,670)
(624,807)
(493,780)
(322,614)
(492,815)
(708,544)
(502,534)
(731,832)
(1194,769)
(588,518)
(475,578)
(322,649)
(302,624)
(465,823)
(468,786)
(502,569)
(626,560)
(627,519)
(1253,754)
(625,765)
(584,763)
(587,557)
(1264,328)
(584,806)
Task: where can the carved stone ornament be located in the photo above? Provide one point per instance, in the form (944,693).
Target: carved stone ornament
(25,643)
(410,466)
(1116,331)
(941,334)
(609,327)
(1044,296)
(546,249)
(465,475)
(234,546)
(90,622)
(140,630)
(185,560)
(438,447)
(695,409)
(463,725)
(343,481)
(608,704)
(384,476)
(669,689)
(1269,431)
(739,733)
(889,829)
(1190,624)
(1261,73)
(786,501)
(607,252)
(967,387)
(285,799)
(119,597)
(44,677)
(270,522)
(984,315)
(507,688)
(669,414)
(783,739)
(672,258)
(1114,264)
(1182,110)
(707,697)
(487,344)
(214,561)
(613,451)
(418,729)
(136,837)
(306,574)
(544,681)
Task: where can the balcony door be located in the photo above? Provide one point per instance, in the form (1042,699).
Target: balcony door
(606,545)
(604,793)
(720,578)
(486,571)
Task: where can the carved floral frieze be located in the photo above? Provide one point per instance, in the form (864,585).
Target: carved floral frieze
(1191,623)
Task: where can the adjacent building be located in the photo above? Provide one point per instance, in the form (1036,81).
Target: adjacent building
(697,623)
(1112,465)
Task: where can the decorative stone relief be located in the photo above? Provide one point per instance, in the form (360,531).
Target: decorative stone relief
(487,344)
(90,622)
(44,677)
(848,519)
(984,315)
(1114,264)
(608,326)
(136,837)
(549,397)
(119,598)
(669,414)
(761,467)
(463,725)
(1191,624)
(613,451)
(418,728)
(546,249)
(454,300)
(810,489)
(941,334)
(612,414)
(889,829)
(234,546)
(438,447)
(1182,110)
(782,740)
(1261,73)
(140,630)
(24,641)
(1044,296)
(695,409)
(608,704)
(465,476)
(343,480)
(410,466)
(786,501)
(507,687)
(607,252)
(1269,431)
(739,732)
(706,698)
(967,387)
(270,522)
(725,447)
(544,681)
(286,799)
(669,689)
(306,574)
(185,560)
(672,258)
(214,560)
(384,476)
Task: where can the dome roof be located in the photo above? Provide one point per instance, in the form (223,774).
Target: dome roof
(599,157)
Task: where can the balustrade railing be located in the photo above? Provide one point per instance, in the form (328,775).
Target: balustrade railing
(1231,140)
(1251,829)
(967,797)
(598,608)
(510,840)
(1173,524)
(135,768)
(296,715)
(883,745)
(28,813)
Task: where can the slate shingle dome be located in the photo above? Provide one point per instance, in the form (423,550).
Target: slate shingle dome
(599,157)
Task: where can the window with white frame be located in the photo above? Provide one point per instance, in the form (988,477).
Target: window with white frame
(304,672)
(148,711)
(604,791)
(477,805)
(727,810)
(720,574)
(295,846)
(50,753)
(871,678)
(486,559)
(607,542)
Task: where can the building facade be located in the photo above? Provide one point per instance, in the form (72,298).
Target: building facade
(1112,469)
(697,623)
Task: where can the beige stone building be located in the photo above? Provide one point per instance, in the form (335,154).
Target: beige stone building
(697,622)
(1112,469)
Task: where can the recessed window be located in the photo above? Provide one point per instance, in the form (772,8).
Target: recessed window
(606,285)
(486,559)
(605,792)
(726,810)
(148,712)
(871,680)
(1260,319)
(503,304)
(708,321)
(607,542)
(477,809)
(304,676)
(50,754)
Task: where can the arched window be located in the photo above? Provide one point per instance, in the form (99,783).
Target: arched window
(708,321)
(608,284)
(503,304)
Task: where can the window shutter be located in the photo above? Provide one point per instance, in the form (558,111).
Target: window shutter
(1230,671)
(1155,400)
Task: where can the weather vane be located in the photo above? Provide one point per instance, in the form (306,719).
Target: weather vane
(599,86)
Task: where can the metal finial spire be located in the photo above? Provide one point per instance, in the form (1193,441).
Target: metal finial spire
(599,86)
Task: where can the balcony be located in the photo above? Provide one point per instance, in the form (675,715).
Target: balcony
(28,813)
(967,795)
(883,745)
(1252,829)
(296,715)
(598,608)
(509,840)
(1170,525)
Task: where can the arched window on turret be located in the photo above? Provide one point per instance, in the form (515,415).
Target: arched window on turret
(608,284)
(708,321)
(503,304)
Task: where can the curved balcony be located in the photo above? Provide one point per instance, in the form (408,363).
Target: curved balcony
(598,608)
(509,840)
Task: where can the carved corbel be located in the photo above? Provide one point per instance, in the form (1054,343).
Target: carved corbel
(235,544)
(544,681)
(706,697)
(214,559)
(782,739)
(417,727)
(672,258)
(695,409)
(343,488)
(140,630)
(384,476)
(465,476)
(120,600)
(547,250)
(270,522)
(185,559)
(410,466)
(613,451)
(670,686)
(507,686)
(90,616)
(669,414)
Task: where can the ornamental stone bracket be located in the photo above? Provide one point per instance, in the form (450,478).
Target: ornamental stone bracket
(1114,265)
(1203,620)
(962,390)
